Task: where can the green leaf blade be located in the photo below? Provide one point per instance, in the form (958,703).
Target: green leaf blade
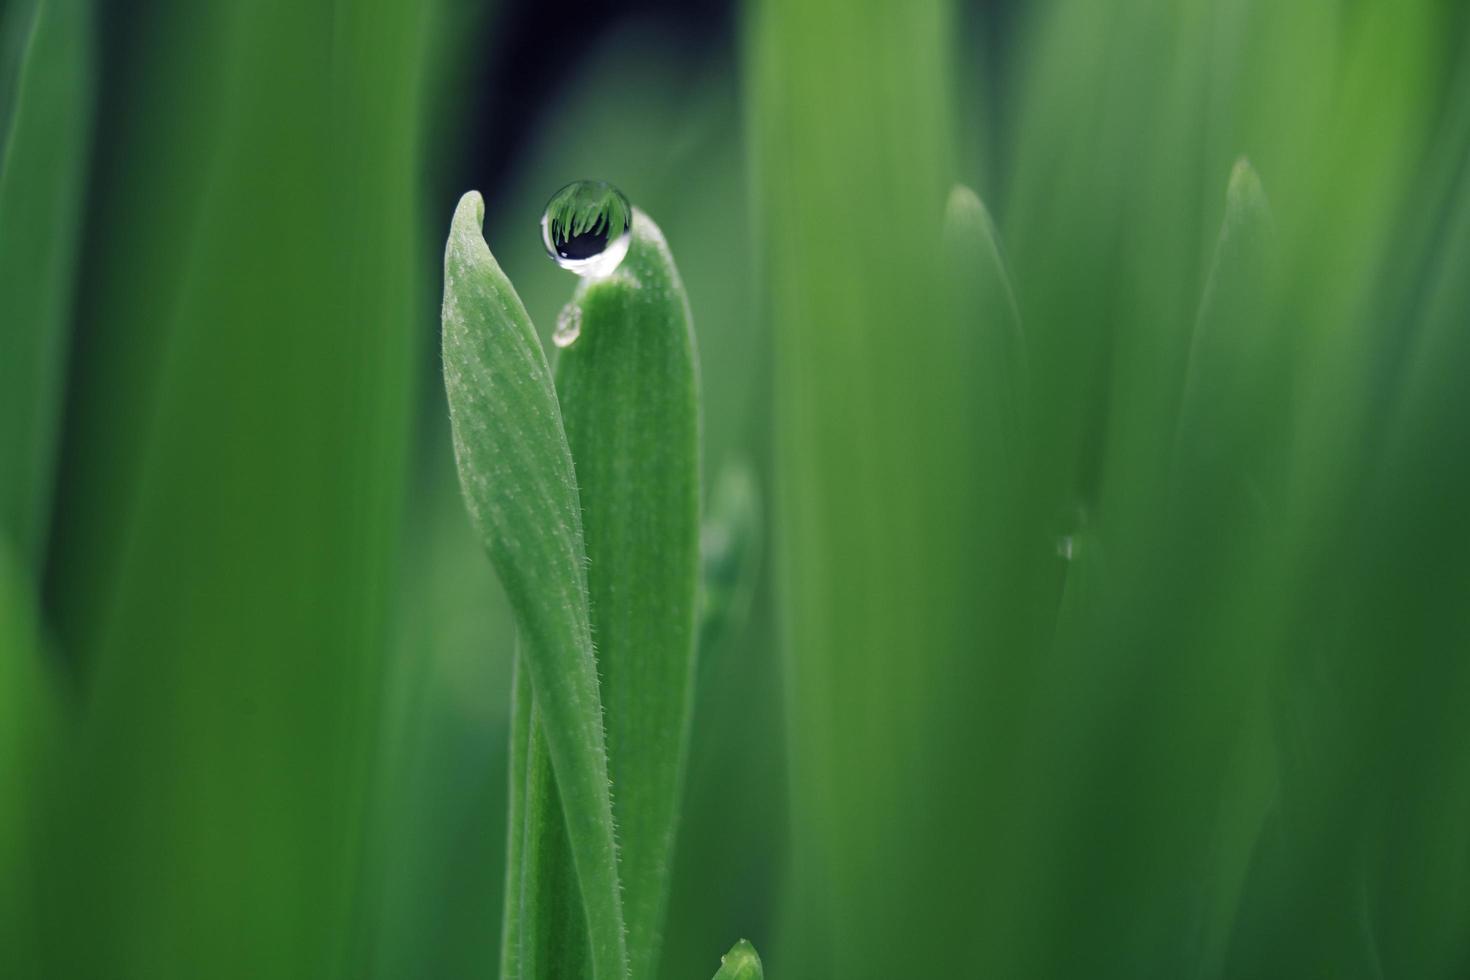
(44,119)
(28,729)
(1236,382)
(516,472)
(989,341)
(630,398)
(982,289)
(741,963)
(730,551)
(550,931)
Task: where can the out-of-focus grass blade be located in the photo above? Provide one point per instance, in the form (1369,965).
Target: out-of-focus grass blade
(1234,392)
(985,301)
(629,393)
(437,857)
(996,530)
(1228,476)
(521,491)
(987,345)
(1357,189)
(1176,612)
(17,25)
(439,845)
(45,114)
(229,506)
(1409,625)
(45,119)
(891,660)
(26,729)
(741,963)
(730,554)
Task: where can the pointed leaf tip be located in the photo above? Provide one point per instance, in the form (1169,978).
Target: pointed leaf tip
(1245,198)
(741,963)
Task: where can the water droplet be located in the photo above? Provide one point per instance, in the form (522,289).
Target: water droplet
(1071,528)
(587,228)
(568,326)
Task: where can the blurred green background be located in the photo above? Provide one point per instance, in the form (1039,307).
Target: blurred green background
(1163,672)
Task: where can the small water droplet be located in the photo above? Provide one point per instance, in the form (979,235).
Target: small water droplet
(568,326)
(1071,530)
(587,228)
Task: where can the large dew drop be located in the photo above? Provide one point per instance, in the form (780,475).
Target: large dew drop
(587,228)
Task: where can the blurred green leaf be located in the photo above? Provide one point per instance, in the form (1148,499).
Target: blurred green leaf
(1228,475)
(988,344)
(45,132)
(521,491)
(985,301)
(741,963)
(28,726)
(1403,692)
(1234,390)
(229,504)
(880,405)
(438,842)
(730,557)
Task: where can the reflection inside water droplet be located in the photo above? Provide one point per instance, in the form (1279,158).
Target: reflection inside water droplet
(1065,547)
(568,325)
(587,227)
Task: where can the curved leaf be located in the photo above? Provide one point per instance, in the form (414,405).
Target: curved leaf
(516,472)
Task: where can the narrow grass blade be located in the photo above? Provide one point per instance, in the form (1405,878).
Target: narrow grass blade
(1173,604)
(1228,475)
(519,485)
(544,932)
(437,863)
(988,343)
(985,299)
(550,929)
(730,553)
(630,398)
(26,730)
(521,709)
(1234,392)
(741,963)
(1406,698)
(45,116)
